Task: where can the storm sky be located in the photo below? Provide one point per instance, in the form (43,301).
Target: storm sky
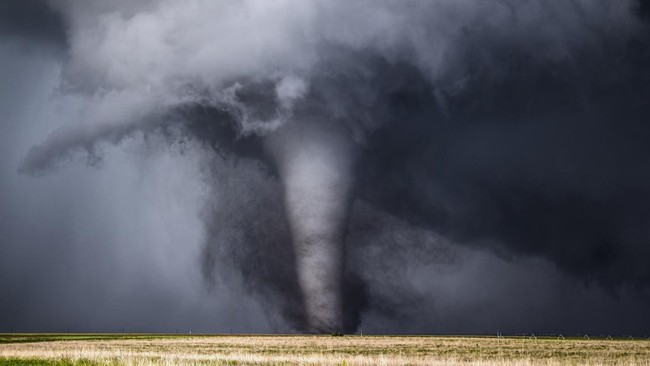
(496,152)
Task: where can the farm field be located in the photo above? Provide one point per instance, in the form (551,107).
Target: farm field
(152,349)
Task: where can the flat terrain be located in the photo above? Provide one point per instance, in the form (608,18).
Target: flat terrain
(118,349)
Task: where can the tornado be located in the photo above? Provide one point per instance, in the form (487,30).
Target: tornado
(315,160)
(419,103)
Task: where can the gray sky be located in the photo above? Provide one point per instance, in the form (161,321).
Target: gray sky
(501,191)
(100,248)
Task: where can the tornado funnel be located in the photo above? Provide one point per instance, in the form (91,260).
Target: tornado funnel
(315,160)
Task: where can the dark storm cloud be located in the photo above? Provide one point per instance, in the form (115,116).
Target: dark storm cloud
(31,20)
(107,249)
(547,160)
(644,9)
(515,129)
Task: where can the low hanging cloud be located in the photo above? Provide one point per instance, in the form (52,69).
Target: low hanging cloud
(519,127)
(348,57)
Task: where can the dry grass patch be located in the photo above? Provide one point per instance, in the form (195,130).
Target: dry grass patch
(325,350)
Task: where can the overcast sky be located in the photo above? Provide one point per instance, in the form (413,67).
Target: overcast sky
(502,184)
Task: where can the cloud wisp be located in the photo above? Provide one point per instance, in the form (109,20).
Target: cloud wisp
(516,126)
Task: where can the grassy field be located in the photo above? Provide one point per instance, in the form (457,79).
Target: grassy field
(119,349)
